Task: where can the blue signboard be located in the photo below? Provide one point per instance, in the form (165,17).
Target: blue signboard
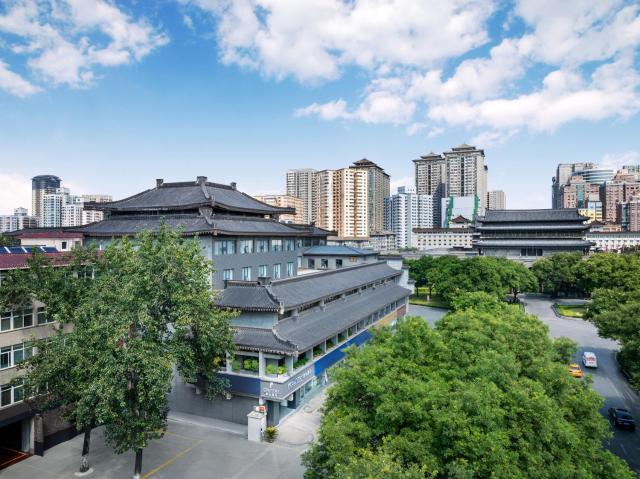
(242,384)
(337,354)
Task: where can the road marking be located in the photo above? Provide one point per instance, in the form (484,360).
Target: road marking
(172,459)
(190,438)
(623,449)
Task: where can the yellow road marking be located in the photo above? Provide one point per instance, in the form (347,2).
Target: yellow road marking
(190,438)
(172,459)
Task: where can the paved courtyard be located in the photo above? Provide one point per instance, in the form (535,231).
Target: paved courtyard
(188,450)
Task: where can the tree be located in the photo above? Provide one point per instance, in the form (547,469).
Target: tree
(480,396)
(422,272)
(557,274)
(7,240)
(565,349)
(610,271)
(517,277)
(152,307)
(62,366)
(616,314)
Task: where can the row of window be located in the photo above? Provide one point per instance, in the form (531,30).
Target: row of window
(248,246)
(22,318)
(263,272)
(10,356)
(11,394)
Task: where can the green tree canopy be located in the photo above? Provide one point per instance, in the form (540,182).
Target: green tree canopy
(481,396)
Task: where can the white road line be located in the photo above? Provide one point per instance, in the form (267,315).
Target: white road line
(623,449)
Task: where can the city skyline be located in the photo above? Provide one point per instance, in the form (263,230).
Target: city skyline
(167,90)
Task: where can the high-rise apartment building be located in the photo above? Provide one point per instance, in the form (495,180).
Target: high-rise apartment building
(467,173)
(285,201)
(300,183)
(340,202)
(496,200)
(52,204)
(379,188)
(71,215)
(406,211)
(431,179)
(577,193)
(20,219)
(41,185)
(563,174)
(630,214)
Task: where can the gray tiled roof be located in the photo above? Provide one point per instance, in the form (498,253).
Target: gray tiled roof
(192,224)
(318,325)
(545,215)
(305,289)
(315,326)
(248,297)
(185,195)
(262,340)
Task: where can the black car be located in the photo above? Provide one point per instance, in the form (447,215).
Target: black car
(621,419)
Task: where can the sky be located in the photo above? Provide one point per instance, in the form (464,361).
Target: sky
(111,94)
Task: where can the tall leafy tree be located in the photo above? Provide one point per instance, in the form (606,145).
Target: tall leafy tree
(481,396)
(152,307)
(557,274)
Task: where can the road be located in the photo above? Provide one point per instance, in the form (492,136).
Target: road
(608,381)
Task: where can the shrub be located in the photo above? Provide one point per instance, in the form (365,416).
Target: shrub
(302,360)
(250,365)
(270,433)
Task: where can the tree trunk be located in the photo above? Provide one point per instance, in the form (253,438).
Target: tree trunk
(84,461)
(137,472)
(430,292)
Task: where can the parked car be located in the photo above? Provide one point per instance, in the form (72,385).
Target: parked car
(575,371)
(621,419)
(589,359)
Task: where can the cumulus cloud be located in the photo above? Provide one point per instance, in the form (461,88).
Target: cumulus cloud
(15,190)
(616,161)
(422,59)
(14,84)
(64,42)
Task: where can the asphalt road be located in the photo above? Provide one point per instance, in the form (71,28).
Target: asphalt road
(608,380)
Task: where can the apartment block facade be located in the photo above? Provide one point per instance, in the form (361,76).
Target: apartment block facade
(20,219)
(300,183)
(286,201)
(378,188)
(467,173)
(405,211)
(496,200)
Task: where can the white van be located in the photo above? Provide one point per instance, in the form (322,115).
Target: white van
(589,360)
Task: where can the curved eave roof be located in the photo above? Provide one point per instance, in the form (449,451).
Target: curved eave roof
(530,226)
(532,242)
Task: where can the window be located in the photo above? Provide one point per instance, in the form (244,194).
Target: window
(299,261)
(276,245)
(531,252)
(246,273)
(289,245)
(5,321)
(262,246)
(298,243)
(338,263)
(12,355)
(312,263)
(262,271)
(324,263)
(227,274)
(42,316)
(222,247)
(276,271)
(64,245)
(246,246)
(10,394)
(290,269)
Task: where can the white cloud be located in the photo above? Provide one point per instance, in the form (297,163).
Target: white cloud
(65,41)
(14,84)
(616,161)
(492,137)
(15,191)
(399,182)
(420,62)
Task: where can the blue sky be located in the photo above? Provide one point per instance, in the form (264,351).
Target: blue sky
(111,95)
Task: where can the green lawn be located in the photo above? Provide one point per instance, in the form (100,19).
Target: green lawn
(572,311)
(420,299)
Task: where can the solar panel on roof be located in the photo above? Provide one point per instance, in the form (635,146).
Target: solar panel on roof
(16,249)
(49,249)
(4,250)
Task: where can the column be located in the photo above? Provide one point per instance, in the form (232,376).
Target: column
(261,364)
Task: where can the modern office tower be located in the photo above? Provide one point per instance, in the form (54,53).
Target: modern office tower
(431,179)
(41,185)
(563,174)
(340,202)
(467,173)
(379,188)
(406,211)
(496,200)
(285,201)
(17,221)
(300,183)
(577,193)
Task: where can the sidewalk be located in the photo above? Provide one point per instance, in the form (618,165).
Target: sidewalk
(300,427)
